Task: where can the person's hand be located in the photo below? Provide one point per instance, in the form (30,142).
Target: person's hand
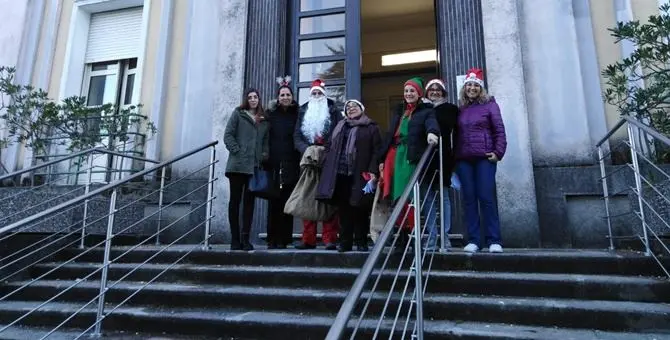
(381,169)
(432,139)
(492,157)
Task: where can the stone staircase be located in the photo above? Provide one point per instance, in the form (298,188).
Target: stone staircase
(218,294)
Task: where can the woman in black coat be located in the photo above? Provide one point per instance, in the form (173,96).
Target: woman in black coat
(284,164)
(349,174)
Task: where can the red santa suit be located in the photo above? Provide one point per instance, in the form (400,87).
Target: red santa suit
(316,120)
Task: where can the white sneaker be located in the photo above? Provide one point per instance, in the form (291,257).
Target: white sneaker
(471,248)
(495,248)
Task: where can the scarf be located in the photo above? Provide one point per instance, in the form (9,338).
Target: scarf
(409,109)
(350,148)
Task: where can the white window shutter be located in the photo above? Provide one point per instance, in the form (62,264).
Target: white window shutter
(114,35)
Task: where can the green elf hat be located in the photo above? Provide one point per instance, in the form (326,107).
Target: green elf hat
(417,84)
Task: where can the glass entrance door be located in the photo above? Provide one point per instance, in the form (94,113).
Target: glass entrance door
(326,46)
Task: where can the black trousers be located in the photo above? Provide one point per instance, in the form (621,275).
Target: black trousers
(240,195)
(280,225)
(354,220)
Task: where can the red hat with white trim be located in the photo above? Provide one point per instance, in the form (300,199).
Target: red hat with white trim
(318,84)
(475,75)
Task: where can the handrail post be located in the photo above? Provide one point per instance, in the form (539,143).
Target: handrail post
(210,193)
(444,235)
(418,264)
(638,186)
(105,264)
(160,206)
(603,175)
(87,189)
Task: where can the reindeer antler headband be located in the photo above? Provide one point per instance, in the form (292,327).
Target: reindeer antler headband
(284,81)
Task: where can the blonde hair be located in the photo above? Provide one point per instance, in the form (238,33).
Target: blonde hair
(483,98)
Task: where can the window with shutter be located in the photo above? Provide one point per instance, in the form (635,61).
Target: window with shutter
(112,49)
(114,35)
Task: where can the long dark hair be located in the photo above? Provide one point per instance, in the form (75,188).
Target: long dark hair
(284,87)
(245,101)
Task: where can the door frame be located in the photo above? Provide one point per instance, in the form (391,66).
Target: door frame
(352,57)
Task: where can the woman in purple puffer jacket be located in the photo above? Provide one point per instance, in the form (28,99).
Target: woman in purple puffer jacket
(480,144)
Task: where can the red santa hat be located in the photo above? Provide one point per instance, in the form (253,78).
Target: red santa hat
(318,84)
(475,75)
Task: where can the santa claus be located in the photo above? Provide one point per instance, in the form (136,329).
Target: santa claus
(316,120)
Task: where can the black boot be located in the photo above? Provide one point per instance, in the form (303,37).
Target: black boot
(401,243)
(303,246)
(235,243)
(362,246)
(246,245)
(344,247)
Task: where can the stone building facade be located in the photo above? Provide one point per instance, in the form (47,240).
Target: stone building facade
(191,60)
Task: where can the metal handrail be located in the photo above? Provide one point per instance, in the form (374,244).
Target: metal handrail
(72,156)
(91,194)
(346,310)
(636,155)
(632,120)
(116,206)
(46,164)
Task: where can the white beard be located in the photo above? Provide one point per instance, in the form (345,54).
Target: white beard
(315,119)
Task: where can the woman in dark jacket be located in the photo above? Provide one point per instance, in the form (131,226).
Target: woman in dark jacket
(246,139)
(349,173)
(284,164)
(447,115)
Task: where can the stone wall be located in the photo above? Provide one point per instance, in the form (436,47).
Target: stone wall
(182,218)
(572,209)
(656,195)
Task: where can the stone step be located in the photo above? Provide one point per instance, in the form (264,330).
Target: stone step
(454,238)
(32,333)
(575,286)
(596,314)
(231,323)
(513,260)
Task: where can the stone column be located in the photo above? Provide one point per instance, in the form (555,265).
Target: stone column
(200,81)
(15,18)
(41,71)
(266,46)
(231,29)
(265,57)
(515,181)
(590,71)
(556,105)
(461,40)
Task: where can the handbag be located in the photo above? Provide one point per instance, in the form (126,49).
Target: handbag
(261,184)
(380,214)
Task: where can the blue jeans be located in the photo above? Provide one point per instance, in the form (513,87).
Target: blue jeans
(478,179)
(429,209)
